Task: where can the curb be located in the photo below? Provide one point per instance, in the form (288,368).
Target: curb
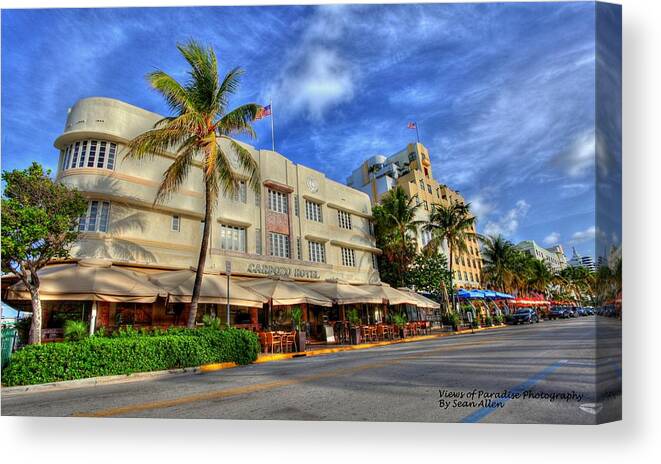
(141,376)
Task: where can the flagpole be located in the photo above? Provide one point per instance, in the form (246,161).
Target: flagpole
(272,131)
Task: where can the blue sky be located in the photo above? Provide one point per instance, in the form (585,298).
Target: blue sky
(503,93)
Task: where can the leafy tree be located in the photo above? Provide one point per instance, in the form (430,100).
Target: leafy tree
(39,219)
(201,120)
(395,229)
(497,257)
(451,224)
(429,273)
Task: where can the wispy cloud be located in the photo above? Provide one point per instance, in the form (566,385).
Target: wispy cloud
(508,224)
(583,235)
(552,239)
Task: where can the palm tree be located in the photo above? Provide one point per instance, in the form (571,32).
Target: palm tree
(396,227)
(201,120)
(540,276)
(452,224)
(497,255)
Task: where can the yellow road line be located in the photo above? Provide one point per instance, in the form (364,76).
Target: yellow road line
(247,389)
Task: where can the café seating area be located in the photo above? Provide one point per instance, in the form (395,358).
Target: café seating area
(278,342)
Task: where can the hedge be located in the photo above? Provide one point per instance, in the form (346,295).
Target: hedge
(99,356)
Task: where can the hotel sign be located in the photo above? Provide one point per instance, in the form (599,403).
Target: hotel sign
(282,271)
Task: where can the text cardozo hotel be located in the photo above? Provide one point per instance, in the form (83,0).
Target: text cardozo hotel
(301,225)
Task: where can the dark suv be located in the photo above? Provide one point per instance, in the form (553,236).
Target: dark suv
(524,316)
(558,312)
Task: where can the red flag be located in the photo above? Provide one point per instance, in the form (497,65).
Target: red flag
(412,125)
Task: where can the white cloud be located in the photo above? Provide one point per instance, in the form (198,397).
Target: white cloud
(315,76)
(552,238)
(508,224)
(480,207)
(583,235)
(579,159)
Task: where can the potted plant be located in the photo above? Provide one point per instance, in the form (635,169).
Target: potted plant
(354,326)
(454,320)
(400,321)
(299,327)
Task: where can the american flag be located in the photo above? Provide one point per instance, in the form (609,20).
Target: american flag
(263,112)
(412,125)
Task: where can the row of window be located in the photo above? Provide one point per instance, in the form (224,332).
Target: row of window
(467,262)
(90,154)
(96,217)
(467,276)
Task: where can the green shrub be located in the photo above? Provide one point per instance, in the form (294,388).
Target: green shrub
(353,317)
(211,322)
(75,330)
(399,320)
(99,356)
(488,322)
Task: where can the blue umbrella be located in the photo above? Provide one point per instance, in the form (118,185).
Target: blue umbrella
(476,294)
(463,294)
(504,295)
(489,293)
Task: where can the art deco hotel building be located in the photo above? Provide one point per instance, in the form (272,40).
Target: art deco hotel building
(301,224)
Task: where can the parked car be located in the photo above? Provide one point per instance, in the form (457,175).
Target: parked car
(524,316)
(558,312)
(581,312)
(589,311)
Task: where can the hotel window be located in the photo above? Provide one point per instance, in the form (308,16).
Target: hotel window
(258,199)
(176,223)
(465,276)
(240,195)
(348,257)
(258,241)
(232,238)
(426,205)
(344,219)
(83,151)
(429,188)
(313,211)
(375,262)
(299,248)
(279,245)
(317,252)
(278,201)
(96,218)
(422,185)
(296,205)
(426,237)
(92,154)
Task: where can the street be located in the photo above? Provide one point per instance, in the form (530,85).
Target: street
(541,373)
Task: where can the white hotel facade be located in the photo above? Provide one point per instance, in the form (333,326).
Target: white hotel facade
(302,224)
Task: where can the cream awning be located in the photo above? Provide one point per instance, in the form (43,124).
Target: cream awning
(286,292)
(343,293)
(424,302)
(179,288)
(94,280)
(386,293)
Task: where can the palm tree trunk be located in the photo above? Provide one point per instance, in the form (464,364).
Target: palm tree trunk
(35,327)
(202,259)
(454,308)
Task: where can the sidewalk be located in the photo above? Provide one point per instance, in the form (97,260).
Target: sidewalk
(263,358)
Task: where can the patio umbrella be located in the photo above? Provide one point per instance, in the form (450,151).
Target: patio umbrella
(391,295)
(90,280)
(286,292)
(179,288)
(343,293)
(422,301)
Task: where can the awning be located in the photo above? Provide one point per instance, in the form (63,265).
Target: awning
(390,295)
(285,292)
(90,280)
(179,288)
(422,301)
(343,293)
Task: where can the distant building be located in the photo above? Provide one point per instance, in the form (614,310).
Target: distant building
(554,257)
(411,169)
(581,261)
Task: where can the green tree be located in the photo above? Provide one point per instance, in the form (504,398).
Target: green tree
(497,255)
(429,273)
(39,219)
(395,230)
(200,130)
(451,224)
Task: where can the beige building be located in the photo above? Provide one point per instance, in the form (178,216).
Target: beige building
(554,257)
(300,225)
(411,169)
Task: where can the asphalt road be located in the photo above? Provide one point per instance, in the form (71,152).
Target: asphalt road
(543,373)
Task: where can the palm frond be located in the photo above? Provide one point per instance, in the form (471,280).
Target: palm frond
(247,164)
(228,87)
(238,121)
(175,94)
(175,175)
